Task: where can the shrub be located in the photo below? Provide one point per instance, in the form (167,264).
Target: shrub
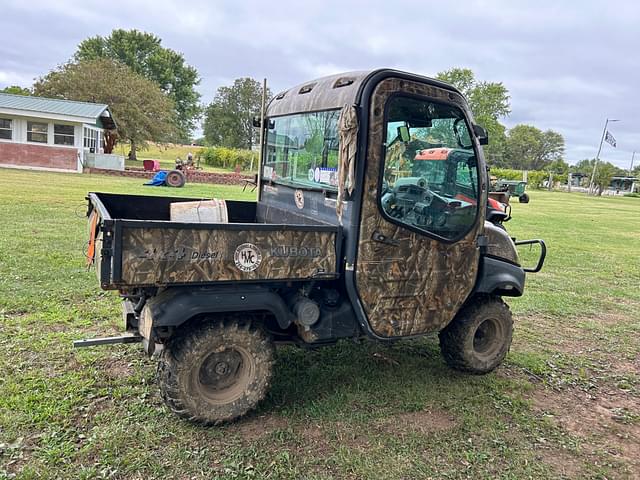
(223,157)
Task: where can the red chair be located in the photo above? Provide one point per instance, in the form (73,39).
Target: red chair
(151,165)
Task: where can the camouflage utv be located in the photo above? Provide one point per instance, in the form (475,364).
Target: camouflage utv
(370,222)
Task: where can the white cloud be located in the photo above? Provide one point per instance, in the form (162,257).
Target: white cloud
(568,65)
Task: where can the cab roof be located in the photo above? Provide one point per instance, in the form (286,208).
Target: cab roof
(334,91)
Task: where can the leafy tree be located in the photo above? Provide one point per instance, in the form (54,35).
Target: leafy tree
(229,118)
(529,148)
(140,109)
(558,166)
(489,101)
(605,171)
(144,54)
(16,90)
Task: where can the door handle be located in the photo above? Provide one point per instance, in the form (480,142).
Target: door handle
(381,238)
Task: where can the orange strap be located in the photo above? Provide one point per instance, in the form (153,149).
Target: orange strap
(91,251)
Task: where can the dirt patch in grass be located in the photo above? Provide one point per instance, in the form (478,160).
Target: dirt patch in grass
(253,427)
(564,464)
(315,440)
(605,421)
(422,422)
(116,368)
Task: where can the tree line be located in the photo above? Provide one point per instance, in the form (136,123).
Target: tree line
(151,91)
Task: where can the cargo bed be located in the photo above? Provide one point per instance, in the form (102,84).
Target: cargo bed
(136,245)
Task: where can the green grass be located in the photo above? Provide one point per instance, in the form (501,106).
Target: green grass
(347,411)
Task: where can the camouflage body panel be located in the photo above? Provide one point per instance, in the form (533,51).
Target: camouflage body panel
(418,285)
(162,256)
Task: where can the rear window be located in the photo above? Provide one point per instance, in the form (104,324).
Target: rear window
(302,150)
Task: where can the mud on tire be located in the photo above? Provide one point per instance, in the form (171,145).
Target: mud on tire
(478,339)
(215,372)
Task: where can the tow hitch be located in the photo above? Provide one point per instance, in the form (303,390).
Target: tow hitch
(91,342)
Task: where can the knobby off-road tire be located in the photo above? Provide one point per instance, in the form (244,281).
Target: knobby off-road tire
(478,339)
(216,372)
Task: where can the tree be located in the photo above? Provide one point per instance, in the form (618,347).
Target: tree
(605,171)
(489,101)
(229,118)
(144,54)
(16,90)
(558,166)
(529,148)
(140,109)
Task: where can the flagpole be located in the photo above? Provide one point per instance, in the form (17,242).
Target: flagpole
(595,165)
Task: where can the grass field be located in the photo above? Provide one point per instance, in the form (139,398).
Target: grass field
(566,404)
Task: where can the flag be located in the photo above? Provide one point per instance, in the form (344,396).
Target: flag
(609,139)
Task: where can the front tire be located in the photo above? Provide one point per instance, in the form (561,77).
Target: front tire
(479,337)
(216,372)
(524,198)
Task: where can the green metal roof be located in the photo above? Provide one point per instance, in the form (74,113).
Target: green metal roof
(52,105)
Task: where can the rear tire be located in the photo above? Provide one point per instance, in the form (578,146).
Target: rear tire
(175,178)
(216,372)
(524,198)
(479,337)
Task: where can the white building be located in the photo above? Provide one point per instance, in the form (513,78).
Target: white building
(51,134)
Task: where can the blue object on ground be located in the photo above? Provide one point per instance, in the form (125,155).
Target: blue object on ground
(159,179)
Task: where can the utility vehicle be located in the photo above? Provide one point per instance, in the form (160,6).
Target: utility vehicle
(369,222)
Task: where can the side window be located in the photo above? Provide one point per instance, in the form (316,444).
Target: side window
(430,177)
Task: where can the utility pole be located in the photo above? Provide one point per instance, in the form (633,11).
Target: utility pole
(262,135)
(631,166)
(595,165)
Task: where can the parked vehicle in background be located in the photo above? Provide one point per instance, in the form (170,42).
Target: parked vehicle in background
(514,188)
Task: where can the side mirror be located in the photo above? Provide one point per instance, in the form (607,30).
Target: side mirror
(257,122)
(403,133)
(481,134)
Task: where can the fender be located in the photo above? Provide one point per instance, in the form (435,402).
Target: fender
(174,306)
(500,278)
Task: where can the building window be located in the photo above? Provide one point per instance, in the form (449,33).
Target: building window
(37,132)
(90,138)
(63,135)
(5,129)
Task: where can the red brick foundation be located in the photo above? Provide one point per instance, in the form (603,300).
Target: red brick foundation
(39,156)
(192,177)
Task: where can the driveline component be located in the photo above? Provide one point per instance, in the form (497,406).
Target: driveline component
(307,311)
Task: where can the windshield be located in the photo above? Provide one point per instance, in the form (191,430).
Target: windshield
(302,150)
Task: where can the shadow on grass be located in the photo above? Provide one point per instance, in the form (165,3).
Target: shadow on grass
(371,380)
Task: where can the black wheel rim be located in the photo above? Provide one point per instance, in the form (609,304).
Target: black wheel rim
(223,376)
(487,339)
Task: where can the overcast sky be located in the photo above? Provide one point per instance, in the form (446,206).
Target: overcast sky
(567,65)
